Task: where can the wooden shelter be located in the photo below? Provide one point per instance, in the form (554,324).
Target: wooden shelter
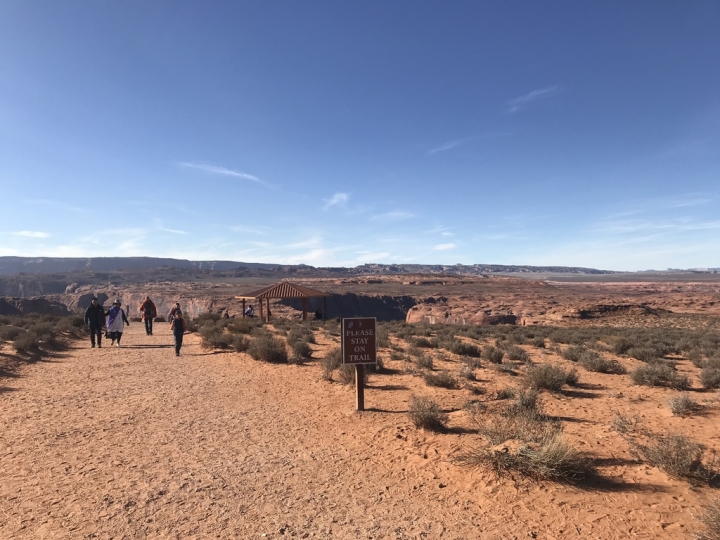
(284,289)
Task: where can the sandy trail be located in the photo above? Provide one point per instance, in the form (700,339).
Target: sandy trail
(133,442)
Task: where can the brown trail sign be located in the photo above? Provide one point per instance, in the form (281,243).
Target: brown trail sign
(359,347)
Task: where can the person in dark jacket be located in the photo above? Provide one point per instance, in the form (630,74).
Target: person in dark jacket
(174,311)
(178,329)
(149,312)
(95,321)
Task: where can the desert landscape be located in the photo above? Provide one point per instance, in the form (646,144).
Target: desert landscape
(560,406)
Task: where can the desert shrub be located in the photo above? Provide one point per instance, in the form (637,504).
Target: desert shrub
(573,353)
(526,402)
(710,518)
(382,335)
(547,377)
(620,345)
(492,354)
(644,354)
(9,333)
(624,424)
(696,357)
(395,355)
(505,393)
(424,362)
(538,342)
(592,361)
(302,349)
(214,336)
(710,378)
(425,343)
(26,342)
(244,326)
(463,349)
(330,362)
(469,361)
(677,455)
(442,379)
(240,343)
(682,405)
(268,348)
(346,374)
(659,374)
(467,372)
(712,363)
(550,460)
(426,414)
(516,353)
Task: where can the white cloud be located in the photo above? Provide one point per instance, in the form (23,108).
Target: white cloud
(445,246)
(395,215)
(222,171)
(173,231)
(447,146)
(32,234)
(340,199)
(518,103)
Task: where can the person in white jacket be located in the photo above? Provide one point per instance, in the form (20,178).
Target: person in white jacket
(116,321)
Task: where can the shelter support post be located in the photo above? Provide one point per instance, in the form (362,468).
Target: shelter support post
(304,309)
(243,308)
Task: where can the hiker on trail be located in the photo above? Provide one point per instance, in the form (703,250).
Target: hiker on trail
(95,321)
(149,312)
(174,311)
(178,329)
(116,321)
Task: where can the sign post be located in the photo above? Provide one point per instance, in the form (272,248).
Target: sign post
(359,347)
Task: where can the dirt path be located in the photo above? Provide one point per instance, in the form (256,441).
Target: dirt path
(133,442)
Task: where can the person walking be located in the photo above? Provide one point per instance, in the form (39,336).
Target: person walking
(95,321)
(174,311)
(116,321)
(149,312)
(178,329)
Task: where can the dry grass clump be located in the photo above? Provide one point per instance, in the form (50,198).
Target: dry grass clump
(493,354)
(470,362)
(214,336)
(301,350)
(426,414)
(677,455)
(573,353)
(549,377)
(240,343)
(538,342)
(644,354)
(659,374)
(442,379)
(592,361)
(463,349)
(710,377)
(624,424)
(467,372)
(683,405)
(710,518)
(330,362)
(425,343)
(268,348)
(505,393)
(517,354)
(424,362)
(346,374)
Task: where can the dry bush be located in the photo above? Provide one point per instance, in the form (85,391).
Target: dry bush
(467,372)
(624,424)
(493,354)
(527,401)
(677,455)
(442,379)
(425,343)
(682,405)
(696,357)
(538,342)
(302,350)
(214,336)
(346,374)
(240,343)
(550,460)
(644,354)
(710,518)
(330,362)
(710,378)
(517,354)
(505,393)
(267,348)
(426,414)
(549,377)
(620,345)
(573,353)
(26,342)
(659,374)
(424,362)
(244,326)
(463,349)
(470,362)
(592,361)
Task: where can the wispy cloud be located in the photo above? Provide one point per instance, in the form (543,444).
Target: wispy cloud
(222,171)
(340,199)
(173,231)
(443,231)
(32,234)
(395,215)
(518,103)
(448,146)
(445,246)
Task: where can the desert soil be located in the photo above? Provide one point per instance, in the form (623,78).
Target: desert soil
(133,442)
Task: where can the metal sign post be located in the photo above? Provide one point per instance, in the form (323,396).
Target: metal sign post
(359,347)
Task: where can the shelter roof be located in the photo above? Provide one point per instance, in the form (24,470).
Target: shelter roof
(285,289)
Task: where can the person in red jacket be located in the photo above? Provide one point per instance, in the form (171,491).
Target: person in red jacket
(149,312)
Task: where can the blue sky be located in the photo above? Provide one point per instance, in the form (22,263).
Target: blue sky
(338,133)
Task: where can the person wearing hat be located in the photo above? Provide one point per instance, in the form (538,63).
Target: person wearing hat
(174,311)
(95,321)
(116,321)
